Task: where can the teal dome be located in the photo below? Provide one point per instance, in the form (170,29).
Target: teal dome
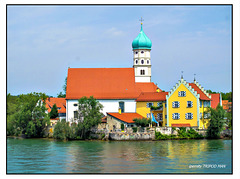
(141,41)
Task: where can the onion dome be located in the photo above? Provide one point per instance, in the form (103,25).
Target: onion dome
(141,41)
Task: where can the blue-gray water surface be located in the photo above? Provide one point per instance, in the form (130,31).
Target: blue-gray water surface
(170,156)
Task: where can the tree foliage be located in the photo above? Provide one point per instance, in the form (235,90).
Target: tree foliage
(216,122)
(142,122)
(54,112)
(89,116)
(26,114)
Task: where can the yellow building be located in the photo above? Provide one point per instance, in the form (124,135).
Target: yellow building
(186,104)
(156,99)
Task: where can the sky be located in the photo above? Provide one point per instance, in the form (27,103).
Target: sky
(43,41)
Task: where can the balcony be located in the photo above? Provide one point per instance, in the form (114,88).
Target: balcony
(156,108)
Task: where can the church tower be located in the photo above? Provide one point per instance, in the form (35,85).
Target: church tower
(141,57)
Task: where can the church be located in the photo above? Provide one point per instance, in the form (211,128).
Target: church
(128,93)
(114,88)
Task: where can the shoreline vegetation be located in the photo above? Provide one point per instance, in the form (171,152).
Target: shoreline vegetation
(27,117)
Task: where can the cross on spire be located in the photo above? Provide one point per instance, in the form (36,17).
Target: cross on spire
(194,77)
(141,20)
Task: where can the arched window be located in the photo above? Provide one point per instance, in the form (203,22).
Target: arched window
(136,61)
(136,52)
(147,61)
(142,51)
(142,61)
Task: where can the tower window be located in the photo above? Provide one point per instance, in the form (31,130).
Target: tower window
(136,52)
(147,61)
(142,51)
(142,72)
(142,61)
(136,61)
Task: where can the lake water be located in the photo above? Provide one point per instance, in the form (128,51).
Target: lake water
(170,156)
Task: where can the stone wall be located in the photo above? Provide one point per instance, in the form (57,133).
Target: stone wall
(132,136)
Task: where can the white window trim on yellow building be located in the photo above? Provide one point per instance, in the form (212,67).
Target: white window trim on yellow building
(176,116)
(189,114)
(174,89)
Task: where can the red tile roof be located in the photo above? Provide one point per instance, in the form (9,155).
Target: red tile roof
(147,87)
(105,83)
(152,96)
(126,117)
(200,92)
(215,100)
(226,105)
(181,125)
(60,103)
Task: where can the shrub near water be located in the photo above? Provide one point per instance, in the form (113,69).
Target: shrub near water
(182,134)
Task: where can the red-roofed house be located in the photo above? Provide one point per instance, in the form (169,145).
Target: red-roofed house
(187,104)
(215,100)
(61,106)
(114,120)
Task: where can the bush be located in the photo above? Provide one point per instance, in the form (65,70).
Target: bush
(142,122)
(216,122)
(160,136)
(134,129)
(122,126)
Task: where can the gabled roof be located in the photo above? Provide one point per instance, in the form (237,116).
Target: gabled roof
(147,87)
(152,96)
(203,96)
(215,100)
(126,117)
(60,103)
(105,83)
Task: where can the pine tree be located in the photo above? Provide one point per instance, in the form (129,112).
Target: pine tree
(54,112)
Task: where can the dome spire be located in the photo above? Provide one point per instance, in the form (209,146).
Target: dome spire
(141,41)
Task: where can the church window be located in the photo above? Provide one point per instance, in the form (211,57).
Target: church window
(75,114)
(142,61)
(75,104)
(121,105)
(142,72)
(136,61)
(147,61)
(136,52)
(142,51)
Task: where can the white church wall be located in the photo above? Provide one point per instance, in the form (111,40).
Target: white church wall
(142,79)
(108,106)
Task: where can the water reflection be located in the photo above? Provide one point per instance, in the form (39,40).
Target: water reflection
(49,156)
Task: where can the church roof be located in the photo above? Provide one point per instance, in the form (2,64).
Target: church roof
(105,83)
(126,117)
(141,41)
(152,96)
(147,86)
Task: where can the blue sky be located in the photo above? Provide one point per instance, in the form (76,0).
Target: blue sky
(43,41)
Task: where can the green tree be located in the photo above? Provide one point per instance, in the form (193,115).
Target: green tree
(61,95)
(27,115)
(216,122)
(89,115)
(62,130)
(142,122)
(54,112)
